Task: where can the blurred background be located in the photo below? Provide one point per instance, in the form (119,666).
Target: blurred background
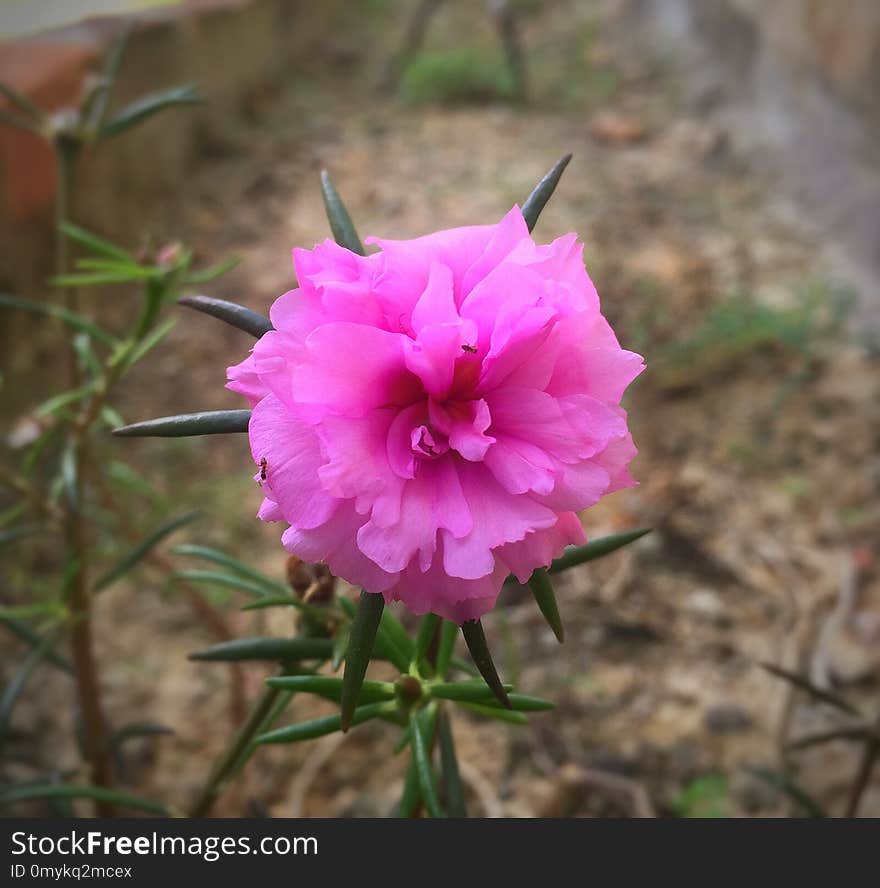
(726,184)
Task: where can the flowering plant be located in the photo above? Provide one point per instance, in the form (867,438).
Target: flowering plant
(427,420)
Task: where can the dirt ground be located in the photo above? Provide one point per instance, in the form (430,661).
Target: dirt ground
(757,425)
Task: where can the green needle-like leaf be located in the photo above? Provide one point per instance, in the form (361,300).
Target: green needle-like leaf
(505,715)
(320,726)
(96,244)
(22,102)
(212,272)
(277,649)
(427,630)
(150,341)
(575,555)
(411,797)
(537,200)
(475,639)
(340,646)
(463,692)
(147,106)
(395,636)
(211,422)
(448,635)
(216,556)
(230,312)
(17,683)
(227,581)
(32,792)
(360,648)
(424,770)
(542,589)
(330,688)
(453,790)
(123,566)
(344,232)
(72,319)
(27,635)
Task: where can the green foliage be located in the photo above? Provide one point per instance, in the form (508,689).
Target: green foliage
(740,326)
(457,76)
(706,796)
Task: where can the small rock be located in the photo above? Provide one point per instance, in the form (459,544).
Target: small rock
(727,718)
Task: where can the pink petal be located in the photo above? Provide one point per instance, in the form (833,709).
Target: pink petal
(293,456)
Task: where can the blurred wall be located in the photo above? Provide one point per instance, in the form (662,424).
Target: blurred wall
(799,80)
(237,51)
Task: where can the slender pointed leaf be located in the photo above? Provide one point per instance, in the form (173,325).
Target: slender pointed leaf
(211,422)
(101,96)
(575,555)
(452,786)
(27,635)
(33,792)
(72,319)
(17,683)
(479,693)
(424,769)
(226,581)
(150,341)
(475,639)
(804,684)
(98,278)
(427,630)
(344,232)
(411,797)
(147,106)
(96,244)
(320,726)
(330,688)
(212,272)
(545,597)
(505,715)
(230,312)
(537,200)
(22,102)
(448,635)
(278,601)
(124,565)
(222,558)
(340,646)
(360,648)
(394,633)
(280,649)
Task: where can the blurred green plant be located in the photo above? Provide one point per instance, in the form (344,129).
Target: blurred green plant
(57,481)
(705,796)
(457,76)
(740,325)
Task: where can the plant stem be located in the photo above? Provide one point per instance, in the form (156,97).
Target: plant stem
(230,761)
(869,757)
(82,646)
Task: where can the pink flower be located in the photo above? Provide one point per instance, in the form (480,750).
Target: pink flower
(432,416)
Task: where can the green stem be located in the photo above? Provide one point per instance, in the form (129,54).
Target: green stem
(228,761)
(97,746)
